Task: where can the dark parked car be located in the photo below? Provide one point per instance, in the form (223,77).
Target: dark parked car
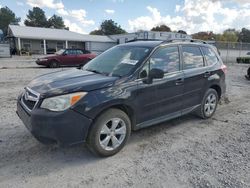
(245,59)
(128,87)
(68,57)
(248,74)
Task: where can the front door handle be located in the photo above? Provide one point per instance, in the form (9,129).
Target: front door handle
(179,81)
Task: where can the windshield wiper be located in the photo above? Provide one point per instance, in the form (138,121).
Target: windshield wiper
(95,71)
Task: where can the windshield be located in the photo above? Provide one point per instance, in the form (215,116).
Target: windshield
(60,52)
(118,61)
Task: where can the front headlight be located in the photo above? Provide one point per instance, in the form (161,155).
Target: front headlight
(62,102)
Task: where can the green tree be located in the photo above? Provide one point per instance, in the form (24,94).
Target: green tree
(108,27)
(229,35)
(182,32)
(7,17)
(56,22)
(96,32)
(203,35)
(36,18)
(163,28)
(244,35)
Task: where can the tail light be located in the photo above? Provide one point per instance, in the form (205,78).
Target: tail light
(224,68)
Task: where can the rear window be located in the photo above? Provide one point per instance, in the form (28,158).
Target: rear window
(192,57)
(210,56)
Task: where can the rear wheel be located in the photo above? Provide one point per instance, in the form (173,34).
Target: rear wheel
(209,104)
(54,64)
(109,133)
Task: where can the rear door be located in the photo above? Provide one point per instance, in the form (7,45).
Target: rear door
(195,76)
(163,97)
(82,57)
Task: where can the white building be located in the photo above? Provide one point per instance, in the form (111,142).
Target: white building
(37,40)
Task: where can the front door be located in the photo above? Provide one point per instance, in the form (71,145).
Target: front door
(162,97)
(69,57)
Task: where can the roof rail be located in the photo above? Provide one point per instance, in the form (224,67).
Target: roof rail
(135,40)
(185,39)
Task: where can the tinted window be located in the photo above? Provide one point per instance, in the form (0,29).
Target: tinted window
(79,52)
(210,56)
(69,52)
(166,59)
(192,57)
(86,52)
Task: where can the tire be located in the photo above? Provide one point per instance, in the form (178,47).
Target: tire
(248,74)
(109,133)
(54,64)
(209,104)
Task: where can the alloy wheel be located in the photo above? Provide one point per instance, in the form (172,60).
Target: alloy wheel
(210,104)
(112,134)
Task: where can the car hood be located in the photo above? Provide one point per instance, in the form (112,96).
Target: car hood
(69,81)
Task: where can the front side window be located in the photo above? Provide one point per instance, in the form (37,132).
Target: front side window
(166,59)
(118,61)
(70,52)
(192,57)
(210,56)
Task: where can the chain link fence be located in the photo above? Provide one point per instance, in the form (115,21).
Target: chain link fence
(233,52)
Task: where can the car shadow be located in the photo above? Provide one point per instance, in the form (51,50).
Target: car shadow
(32,153)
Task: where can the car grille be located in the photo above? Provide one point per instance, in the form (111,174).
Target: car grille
(29,99)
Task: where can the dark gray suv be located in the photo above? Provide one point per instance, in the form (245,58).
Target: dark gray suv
(128,87)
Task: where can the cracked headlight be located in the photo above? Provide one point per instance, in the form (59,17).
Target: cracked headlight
(62,102)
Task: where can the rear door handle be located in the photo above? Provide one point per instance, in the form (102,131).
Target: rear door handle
(207,74)
(179,81)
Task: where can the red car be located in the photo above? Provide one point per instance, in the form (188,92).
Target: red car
(66,57)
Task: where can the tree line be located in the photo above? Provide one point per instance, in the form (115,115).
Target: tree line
(37,18)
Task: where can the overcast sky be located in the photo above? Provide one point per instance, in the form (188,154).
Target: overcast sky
(190,15)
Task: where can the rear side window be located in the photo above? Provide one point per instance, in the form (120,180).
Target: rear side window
(192,57)
(86,52)
(210,56)
(79,52)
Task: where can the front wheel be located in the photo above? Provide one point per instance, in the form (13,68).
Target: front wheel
(209,104)
(109,133)
(54,64)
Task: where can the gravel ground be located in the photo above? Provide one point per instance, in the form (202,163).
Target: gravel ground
(185,152)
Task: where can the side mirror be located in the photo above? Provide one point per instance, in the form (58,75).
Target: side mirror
(153,74)
(156,74)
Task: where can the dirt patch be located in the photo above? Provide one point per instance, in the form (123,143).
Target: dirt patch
(185,152)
